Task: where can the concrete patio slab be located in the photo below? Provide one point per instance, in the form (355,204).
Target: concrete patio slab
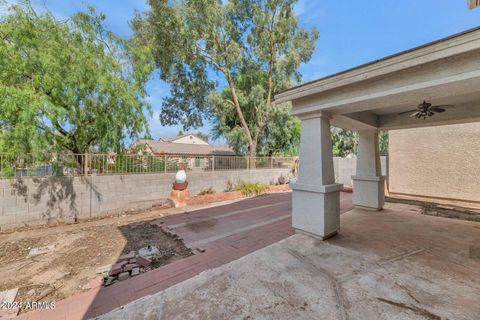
(393,264)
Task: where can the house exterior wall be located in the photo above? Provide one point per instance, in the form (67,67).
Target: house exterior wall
(438,162)
(190,139)
(37,201)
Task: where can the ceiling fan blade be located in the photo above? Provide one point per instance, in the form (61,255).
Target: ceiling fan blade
(416,114)
(443,105)
(437,109)
(409,111)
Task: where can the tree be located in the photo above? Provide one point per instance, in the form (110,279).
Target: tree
(383,142)
(205,137)
(68,85)
(345,142)
(254,47)
(280,135)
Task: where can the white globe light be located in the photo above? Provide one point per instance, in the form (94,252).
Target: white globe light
(180,176)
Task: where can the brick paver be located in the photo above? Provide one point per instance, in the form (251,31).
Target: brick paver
(225,233)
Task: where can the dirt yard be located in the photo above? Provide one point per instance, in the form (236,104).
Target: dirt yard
(78,250)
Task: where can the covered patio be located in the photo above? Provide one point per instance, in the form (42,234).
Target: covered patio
(376,96)
(391,264)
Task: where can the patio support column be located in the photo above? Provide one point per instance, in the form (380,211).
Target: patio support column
(316,196)
(368,183)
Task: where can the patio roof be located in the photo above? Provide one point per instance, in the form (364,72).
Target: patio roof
(372,95)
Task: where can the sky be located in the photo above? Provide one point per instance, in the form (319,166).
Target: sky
(351,33)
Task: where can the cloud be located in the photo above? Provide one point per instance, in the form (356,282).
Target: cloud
(300,8)
(309,12)
(317,67)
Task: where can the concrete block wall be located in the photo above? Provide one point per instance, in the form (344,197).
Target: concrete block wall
(345,168)
(37,201)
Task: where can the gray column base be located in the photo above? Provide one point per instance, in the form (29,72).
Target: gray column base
(369,192)
(316,236)
(316,209)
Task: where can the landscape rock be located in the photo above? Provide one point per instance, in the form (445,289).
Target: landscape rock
(40,250)
(135,272)
(103,269)
(70,219)
(148,252)
(109,281)
(123,276)
(129,267)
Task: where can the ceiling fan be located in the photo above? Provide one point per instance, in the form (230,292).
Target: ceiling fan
(426,109)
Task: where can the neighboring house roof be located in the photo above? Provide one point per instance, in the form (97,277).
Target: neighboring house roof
(167,139)
(180,137)
(162,147)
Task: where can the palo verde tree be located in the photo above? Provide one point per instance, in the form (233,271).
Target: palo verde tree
(225,59)
(67,86)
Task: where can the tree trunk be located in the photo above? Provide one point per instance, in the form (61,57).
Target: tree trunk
(252,145)
(252,154)
(80,159)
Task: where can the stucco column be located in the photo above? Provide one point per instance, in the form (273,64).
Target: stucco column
(316,196)
(368,183)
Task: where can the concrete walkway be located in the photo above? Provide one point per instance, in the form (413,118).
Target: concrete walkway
(392,264)
(221,233)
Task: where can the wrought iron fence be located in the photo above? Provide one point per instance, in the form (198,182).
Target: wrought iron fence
(114,164)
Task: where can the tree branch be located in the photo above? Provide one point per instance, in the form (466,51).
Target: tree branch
(271,60)
(206,56)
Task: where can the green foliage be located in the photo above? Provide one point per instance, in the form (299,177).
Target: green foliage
(255,49)
(279,135)
(208,190)
(345,142)
(251,188)
(205,137)
(383,142)
(68,85)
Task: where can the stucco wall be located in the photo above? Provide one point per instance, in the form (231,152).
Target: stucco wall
(440,162)
(34,201)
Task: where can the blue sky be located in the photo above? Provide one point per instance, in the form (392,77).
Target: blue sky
(351,32)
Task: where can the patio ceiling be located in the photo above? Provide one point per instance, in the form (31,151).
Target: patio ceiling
(372,95)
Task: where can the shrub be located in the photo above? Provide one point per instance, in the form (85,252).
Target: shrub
(251,188)
(282,179)
(230,186)
(208,190)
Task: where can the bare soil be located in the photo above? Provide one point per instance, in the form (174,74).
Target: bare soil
(78,251)
(81,248)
